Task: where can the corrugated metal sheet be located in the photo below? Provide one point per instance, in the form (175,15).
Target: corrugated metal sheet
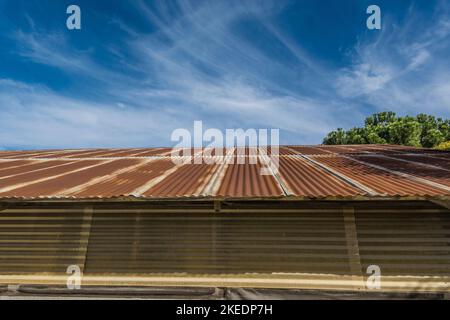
(42,242)
(126,183)
(194,177)
(304,179)
(343,149)
(225,243)
(245,180)
(13,164)
(309,249)
(59,185)
(414,168)
(29,166)
(309,150)
(425,159)
(405,243)
(305,172)
(383,182)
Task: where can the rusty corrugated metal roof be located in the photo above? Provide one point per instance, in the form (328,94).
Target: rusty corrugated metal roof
(305,172)
(304,178)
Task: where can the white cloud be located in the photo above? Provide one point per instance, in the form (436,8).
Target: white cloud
(194,67)
(405,70)
(37,117)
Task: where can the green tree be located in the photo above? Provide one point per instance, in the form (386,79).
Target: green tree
(374,138)
(444,128)
(405,131)
(430,135)
(382,118)
(379,123)
(355,136)
(433,138)
(385,127)
(335,137)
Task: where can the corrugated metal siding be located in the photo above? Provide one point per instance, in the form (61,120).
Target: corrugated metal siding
(406,243)
(42,241)
(308,249)
(215,244)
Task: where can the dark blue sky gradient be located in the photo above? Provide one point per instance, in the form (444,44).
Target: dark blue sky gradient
(140,69)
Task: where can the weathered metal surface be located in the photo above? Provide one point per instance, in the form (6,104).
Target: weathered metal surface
(309,150)
(426,159)
(305,179)
(311,249)
(383,182)
(126,183)
(304,172)
(417,169)
(188,180)
(245,180)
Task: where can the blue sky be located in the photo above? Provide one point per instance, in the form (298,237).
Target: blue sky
(137,70)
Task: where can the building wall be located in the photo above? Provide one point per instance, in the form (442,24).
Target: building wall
(275,245)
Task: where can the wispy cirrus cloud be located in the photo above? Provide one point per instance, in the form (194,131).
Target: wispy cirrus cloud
(36,116)
(230,64)
(405,70)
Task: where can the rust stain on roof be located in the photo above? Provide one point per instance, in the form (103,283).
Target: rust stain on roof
(343,149)
(12,164)
(304,172)
(417,169)
(59,184)
(245,181)
(30,166)
(307,180)
(383,182)
(193,177)
(309,150)
(126,183)
(432,160)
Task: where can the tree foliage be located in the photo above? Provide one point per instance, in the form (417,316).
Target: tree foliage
(386,127)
